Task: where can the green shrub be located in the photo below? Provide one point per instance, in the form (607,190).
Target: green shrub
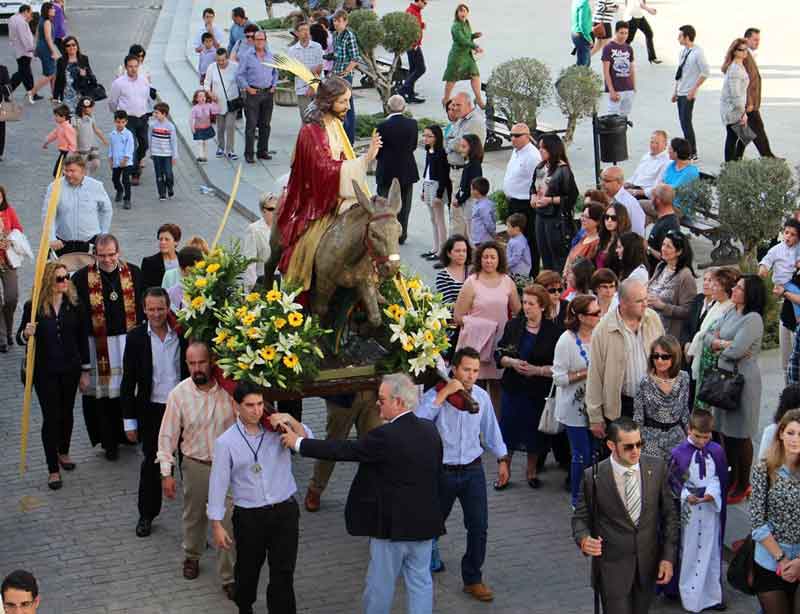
(366,123)
(498,197)
(276,23)
(519,88)
(579,89)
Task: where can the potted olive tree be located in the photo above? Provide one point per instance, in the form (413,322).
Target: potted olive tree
(519,88)
(285,95)
(578,89)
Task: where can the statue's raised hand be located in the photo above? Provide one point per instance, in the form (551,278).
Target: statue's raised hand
(374,146)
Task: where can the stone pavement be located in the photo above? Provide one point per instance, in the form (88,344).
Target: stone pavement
(80,541)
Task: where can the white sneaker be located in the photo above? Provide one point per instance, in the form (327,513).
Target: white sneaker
(30,99)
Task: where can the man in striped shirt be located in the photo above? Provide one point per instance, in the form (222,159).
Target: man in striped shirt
(198,411)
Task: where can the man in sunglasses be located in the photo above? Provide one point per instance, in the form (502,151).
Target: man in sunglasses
(517,185)
(632,533)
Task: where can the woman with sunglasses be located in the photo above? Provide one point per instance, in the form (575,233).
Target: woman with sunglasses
(661,404)
(616,223)
(733,97)
(62,352)
(570,368)
(525,353)
(735,339)
(72,70)
(673,287)
(591,221)
(551,281)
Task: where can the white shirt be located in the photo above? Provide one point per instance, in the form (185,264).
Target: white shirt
(256,245)
(166,364)
(619,471)
(310,56)
(226,86)
(215,30)
(636,362)
(635,10)
(519,172)
(635,211)
(130,95)
(781,259)
(649,170)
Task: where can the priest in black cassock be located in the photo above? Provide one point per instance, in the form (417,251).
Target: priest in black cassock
(110,295)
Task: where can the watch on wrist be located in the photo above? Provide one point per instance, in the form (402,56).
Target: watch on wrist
(503,459)
(780,557)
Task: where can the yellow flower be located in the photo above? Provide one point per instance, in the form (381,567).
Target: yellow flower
(267,353)
(248,318)
(436,325)
(201,282)
(273,295)
(241,311)
(231,343)
(253,333)
(280,323)
(428,336)
(291,360)
(295,319)
(243,366)
(414,284)
(198,302)
(215,253)
(252,297)
(200,264)
(213,268)
(220,338)
(396,311)
(408,346)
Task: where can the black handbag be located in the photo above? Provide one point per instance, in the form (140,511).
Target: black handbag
(722,388)
(235,105)
(88,86)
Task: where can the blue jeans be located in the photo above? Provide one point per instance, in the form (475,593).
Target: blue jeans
(583,445)
(164,178)
(350,118)
(416,68)
(469,487)
(685,110)
(387,560)
(583,49)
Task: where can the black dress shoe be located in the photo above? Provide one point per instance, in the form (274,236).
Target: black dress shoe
(144,527)
(112,454)
(54,484)
(264,156)
(10,340)
(535,483)
(415,100)
(250,159)
(230,590)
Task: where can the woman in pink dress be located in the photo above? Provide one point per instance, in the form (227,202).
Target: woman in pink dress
(486,301)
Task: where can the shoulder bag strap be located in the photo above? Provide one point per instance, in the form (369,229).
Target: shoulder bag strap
(222,82)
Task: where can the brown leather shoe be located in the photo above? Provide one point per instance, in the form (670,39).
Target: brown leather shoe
(191,569)
(480,591)
(230,590)
(312,499)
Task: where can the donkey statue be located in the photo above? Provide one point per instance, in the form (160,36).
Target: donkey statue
(359,250)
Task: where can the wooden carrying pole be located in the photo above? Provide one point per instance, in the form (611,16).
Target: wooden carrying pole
(228,208)
(30,354)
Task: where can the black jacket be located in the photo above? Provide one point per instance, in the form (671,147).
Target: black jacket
(153,270)
(395,494)
(61,76)
(471,171)
(396,158)
(439,170)
(137,373)
(541,356)
(61,342)
(561,184)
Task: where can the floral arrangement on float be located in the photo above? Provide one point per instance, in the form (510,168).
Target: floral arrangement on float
(262,337)
(417,320)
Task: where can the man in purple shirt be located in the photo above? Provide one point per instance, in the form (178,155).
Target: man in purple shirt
(618,72)
(21,39)
(257,82)
(59,25)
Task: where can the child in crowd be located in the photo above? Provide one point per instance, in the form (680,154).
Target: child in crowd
(436,186)
(88,133)
(200,122)
(63,134)
(163,144)
(482,225)
(471,149)
(207,55)
(699,477)
(120,157)
(518,251)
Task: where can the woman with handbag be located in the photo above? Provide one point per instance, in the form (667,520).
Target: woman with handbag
(733,98)
(570,368)
(62,350)
(661,404)
(736,340)
(775,522)
(526,354)
(72,73)
(8,272)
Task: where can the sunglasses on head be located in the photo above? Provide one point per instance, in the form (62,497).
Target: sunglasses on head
(660,356)
(628,447)
(556,290)
(62,278)
(610,217)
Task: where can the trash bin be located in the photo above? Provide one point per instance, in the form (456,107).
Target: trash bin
(612,131)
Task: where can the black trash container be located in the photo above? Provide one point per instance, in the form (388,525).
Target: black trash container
(612,132)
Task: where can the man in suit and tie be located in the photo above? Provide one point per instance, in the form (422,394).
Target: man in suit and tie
(394,498)
(628,522)
(152,365)
(396,158)
(753,38)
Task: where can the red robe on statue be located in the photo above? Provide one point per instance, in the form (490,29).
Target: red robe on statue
(313,190)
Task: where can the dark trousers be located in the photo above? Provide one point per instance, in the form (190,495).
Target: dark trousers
(150,472)
(636,602)
(70,247)
(626,407)
(734,148)
(56,394)
(257,114)
(121,178)
(550,237)
(685,111)
(469,487)
(350,118)
(583,50)
(523,206)
(23,74)
(416,68)
(406,191)
(761,141)
(2,138)
(266,533)
(641,23)
(739,452)
(165,180)
(8,277)
(138,126)
(583,444)
(103,421)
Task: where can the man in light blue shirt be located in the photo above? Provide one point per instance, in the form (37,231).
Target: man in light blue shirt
(463,475)
(83,211)
(251,462)
(240,21)
(257,81)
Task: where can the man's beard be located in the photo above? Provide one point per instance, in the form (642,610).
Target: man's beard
(200,378)
(340,116)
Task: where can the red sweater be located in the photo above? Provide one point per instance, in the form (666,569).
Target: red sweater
(10,222)
(414,10)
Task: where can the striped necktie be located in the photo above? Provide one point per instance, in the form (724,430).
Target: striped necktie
(633,498)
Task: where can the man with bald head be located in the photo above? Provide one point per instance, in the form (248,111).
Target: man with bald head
(470,121)
(667,220)
(619,355)
(613,180)
(517,184)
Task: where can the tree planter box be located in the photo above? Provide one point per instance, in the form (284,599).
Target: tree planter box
(285,96)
